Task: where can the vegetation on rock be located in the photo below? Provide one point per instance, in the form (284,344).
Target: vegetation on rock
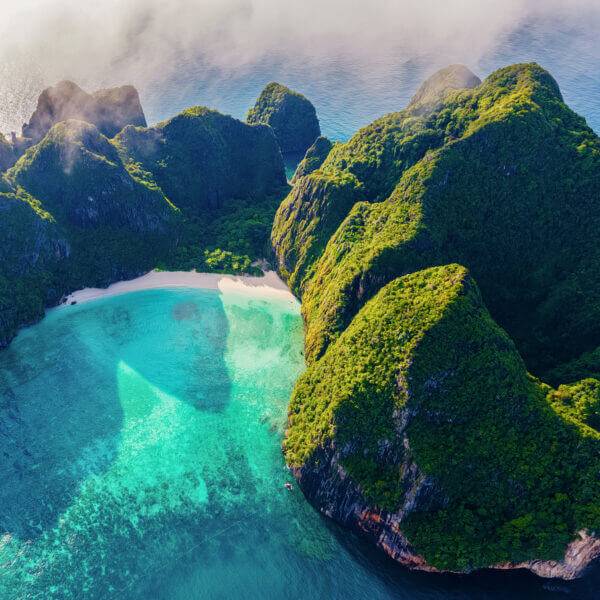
(196,192)
(500,189)
(423,376)
(408,372)
(313,159)
(203,160)
(442,255)
(7,154)
(291,115)
(33,246)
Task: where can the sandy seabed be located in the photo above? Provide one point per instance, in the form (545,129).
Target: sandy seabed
(267,286)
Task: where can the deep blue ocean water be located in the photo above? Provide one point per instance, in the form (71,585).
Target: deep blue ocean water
(348,97)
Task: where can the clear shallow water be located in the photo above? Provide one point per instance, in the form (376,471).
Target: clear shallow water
(140,441)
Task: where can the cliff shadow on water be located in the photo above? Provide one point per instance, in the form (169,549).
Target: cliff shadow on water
(82,392)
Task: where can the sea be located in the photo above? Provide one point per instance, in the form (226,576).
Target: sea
(140,434)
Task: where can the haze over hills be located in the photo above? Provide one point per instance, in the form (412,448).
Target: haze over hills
(221,53)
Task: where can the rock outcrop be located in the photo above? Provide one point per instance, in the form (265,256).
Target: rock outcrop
(80,209)
(202,160)
(420,426)
(453,473)
(313,159)
(32,246)
(465,184)
(432,92)
(109,110)
(291,115)
(80,179)
(581,552)
(8,155)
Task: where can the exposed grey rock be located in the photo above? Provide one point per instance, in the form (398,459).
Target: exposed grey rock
(109,109)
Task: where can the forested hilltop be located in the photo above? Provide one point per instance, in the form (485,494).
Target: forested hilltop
(198,191)
(447,261)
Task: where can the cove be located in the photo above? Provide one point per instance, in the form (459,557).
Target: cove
(140,458)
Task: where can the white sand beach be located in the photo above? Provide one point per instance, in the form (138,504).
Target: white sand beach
(269,285)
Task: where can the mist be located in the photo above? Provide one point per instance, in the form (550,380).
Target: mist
(197,51)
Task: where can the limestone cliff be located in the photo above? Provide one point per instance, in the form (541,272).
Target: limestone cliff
(109,110)
(313,159)
(424,429)
(421,428)
(198,191)
(290,114)
(431,94)
(202,160)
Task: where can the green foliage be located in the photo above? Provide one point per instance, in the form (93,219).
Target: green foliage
(307,218)
(365,168)
(77,175)
(424,376)
(579,402)
(406,366)
(291,115)
(313,159)
(586,365)
(500,183)
(202,160)
(350,394)
(222,261)
(81,210)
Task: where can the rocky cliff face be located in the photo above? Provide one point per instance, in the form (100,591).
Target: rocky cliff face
(80,209)
(202,159)
(32,246)
(7,154)
(109,110)
(313,159)
(419,427)
(72,215)
(80,179)
(423,429)
(328,486)
(291,115)
(31,239)
(457,185)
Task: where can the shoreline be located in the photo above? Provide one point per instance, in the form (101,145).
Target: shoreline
(270,285)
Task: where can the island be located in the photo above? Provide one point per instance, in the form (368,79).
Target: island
(291,115)
(446,258)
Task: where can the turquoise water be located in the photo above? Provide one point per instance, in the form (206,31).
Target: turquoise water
(140,441)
